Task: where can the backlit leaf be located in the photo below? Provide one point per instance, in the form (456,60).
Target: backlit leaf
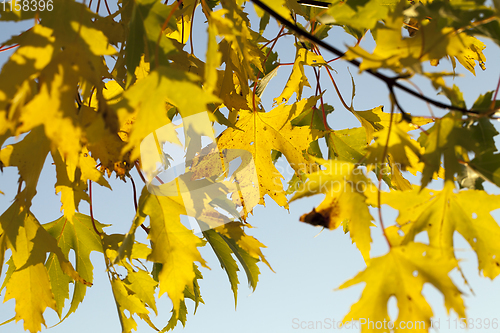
(402,273)
(260,132)
(75,234)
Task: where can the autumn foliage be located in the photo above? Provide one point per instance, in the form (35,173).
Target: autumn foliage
(85,90)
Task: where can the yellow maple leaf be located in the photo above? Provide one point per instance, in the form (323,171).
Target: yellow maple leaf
(232,23)
(259,133)
(59,118)
(146,103)
(173,245)
(298,79)
(72,180)
(29,283)
(441,213)
(396,142)
(127,300)
(28,156)
(30,288)
(430,43)
(376,119)
(345,201)
(183,29)
(34,54)
(402,273)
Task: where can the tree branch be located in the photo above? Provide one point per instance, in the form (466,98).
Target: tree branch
(391,82)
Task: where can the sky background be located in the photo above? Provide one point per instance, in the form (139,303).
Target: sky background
(308,264)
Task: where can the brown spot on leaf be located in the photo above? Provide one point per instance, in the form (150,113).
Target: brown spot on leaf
(321,218)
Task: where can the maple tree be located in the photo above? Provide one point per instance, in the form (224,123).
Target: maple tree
(106,83)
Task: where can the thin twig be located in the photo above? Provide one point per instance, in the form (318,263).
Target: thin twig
(258,73)
(182,29)
(334,83)
(91,93)
(107,8)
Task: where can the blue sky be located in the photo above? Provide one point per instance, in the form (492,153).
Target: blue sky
(309,264)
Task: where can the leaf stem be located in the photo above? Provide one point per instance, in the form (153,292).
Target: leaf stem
(92,211)
(135,192)
(191,28)
(182,29)
(379,193)
(146,229)
(264,62)
(335,85)
(318,90)
(7,48)
(272,40)
(163,27)
(107,7)
(493,101)
(137,166)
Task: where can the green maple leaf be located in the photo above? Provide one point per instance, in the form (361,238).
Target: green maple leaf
(449,138)
(487,166)
(75,234)
(246,248)
(145,36)
(313,117)
(227,262)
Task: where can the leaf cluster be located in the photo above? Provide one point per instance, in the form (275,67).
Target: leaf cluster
(86,90)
